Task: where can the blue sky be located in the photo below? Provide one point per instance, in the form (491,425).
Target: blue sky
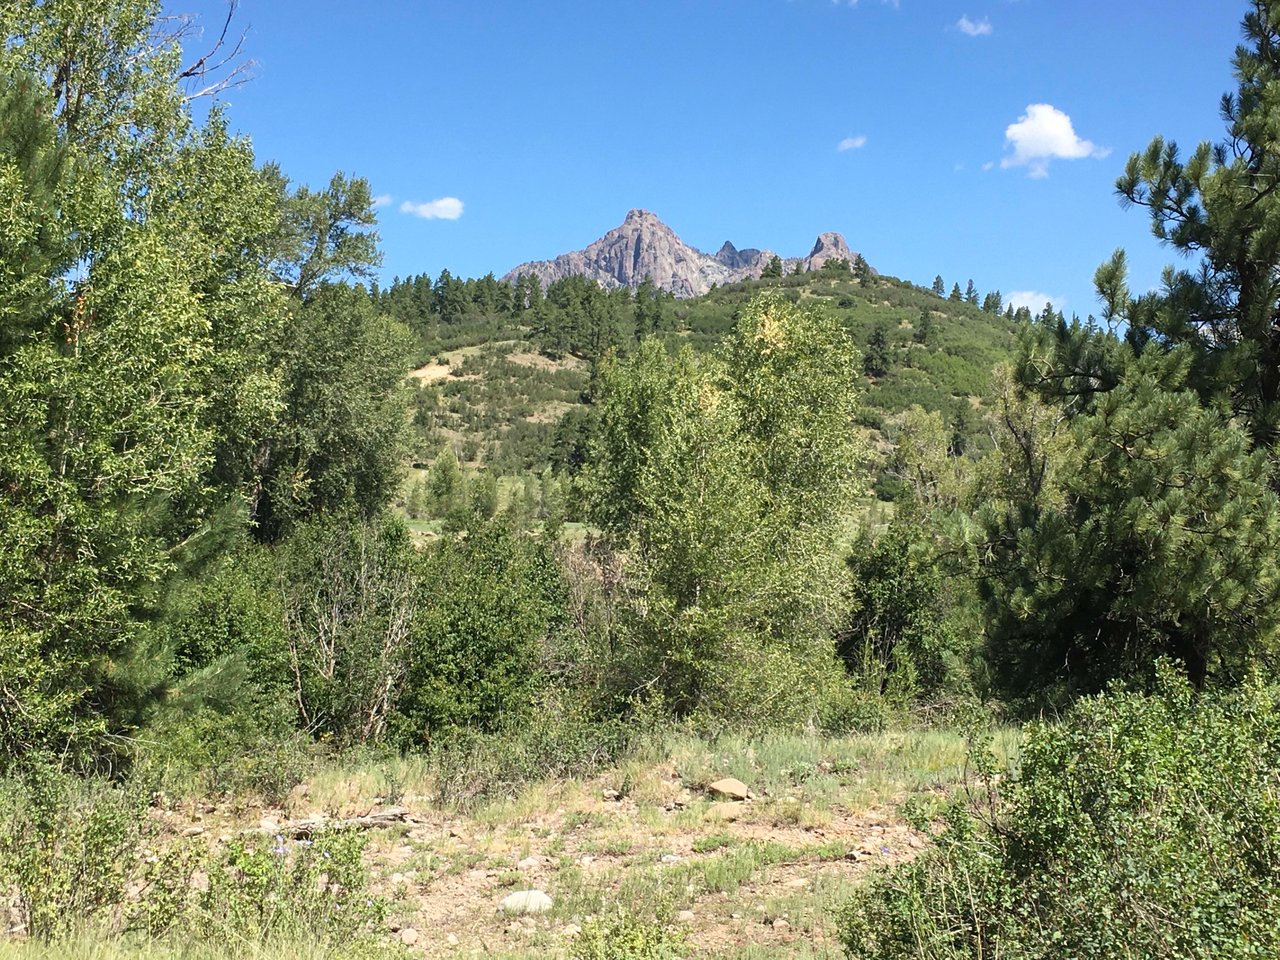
(981,138)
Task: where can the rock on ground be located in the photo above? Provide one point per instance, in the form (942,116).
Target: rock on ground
(525,902)
(731,788)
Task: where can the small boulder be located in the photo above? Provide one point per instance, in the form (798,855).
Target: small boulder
(525,902)
(730,788)
(725,811)
(685,916)
(529,863)
(409,936)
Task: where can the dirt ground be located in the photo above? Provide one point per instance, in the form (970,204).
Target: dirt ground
(759,878)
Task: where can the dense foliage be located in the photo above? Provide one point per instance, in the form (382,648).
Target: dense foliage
(1139,826)
(255,507)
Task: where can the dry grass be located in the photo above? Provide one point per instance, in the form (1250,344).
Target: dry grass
(644,837)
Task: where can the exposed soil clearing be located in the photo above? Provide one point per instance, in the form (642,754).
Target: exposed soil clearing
(757,874)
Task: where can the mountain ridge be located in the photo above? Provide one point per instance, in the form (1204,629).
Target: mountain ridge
(642,245)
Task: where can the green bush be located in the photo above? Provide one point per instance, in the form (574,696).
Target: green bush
(350,590)
(67,848)
(486,603)
(202,752)
(1140,826)
(264,889)
(899,641)
(625,937)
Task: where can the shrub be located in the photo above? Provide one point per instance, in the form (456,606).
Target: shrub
(486,603)
(622,936)
(1140,826)
(205,752)
(350,592)
(567,742)
(67,847)
(265,889)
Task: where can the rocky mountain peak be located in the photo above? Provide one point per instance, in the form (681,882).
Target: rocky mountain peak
(642,216)
(645,246)
(828,246)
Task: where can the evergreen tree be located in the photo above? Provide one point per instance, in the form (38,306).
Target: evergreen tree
(773,270)
(648,309)
(875,362)
(971,294)
(939,288)
(956,296)
(1221,206)
(1122,524)
(861,269)
(923,326)
(450,298)
(992,302)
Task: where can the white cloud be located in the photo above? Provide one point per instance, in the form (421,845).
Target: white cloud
(444,208)
(974,28)
(988,165)
(851,143)
(382,200)
(1042,134)
(1033,300)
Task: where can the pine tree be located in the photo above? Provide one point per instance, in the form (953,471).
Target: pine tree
(1221,206)
(939,288)
(446,483)
(1123,525)
(971,294)
(956,296)
(875,361)
(923,326)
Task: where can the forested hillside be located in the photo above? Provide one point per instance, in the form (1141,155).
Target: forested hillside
(505,374)
(821,614)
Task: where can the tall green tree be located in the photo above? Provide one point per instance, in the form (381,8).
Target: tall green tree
(104,420)
(339,441)
(726,480)
(923,326)
(875,362)
(1122,526)
(1220,207)
(324,235)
